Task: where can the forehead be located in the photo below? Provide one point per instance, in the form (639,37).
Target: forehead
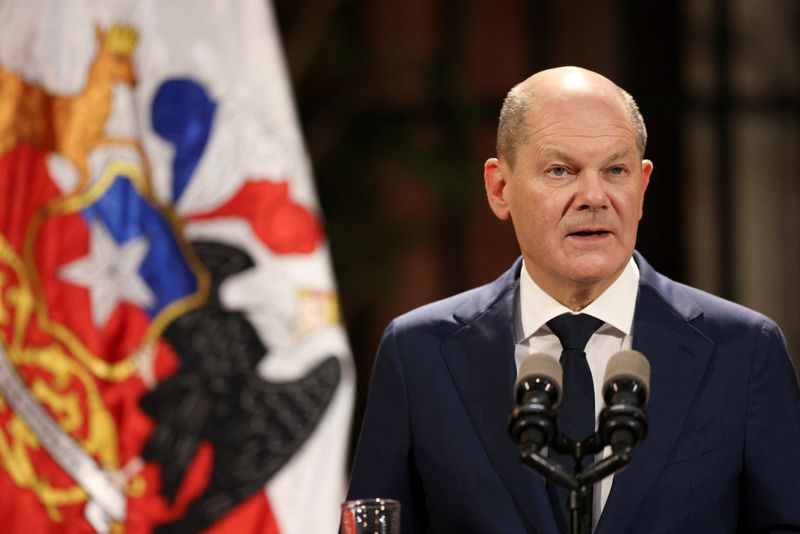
(583,120)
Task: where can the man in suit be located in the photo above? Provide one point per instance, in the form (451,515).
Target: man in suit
(723,450)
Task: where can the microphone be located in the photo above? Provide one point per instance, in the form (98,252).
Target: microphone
(537,393)
(626,388)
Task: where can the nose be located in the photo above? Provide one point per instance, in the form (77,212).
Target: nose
(591,192)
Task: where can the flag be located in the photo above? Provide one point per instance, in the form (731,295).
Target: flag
(171,352)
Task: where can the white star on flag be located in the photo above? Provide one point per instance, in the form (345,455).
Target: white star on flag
(110,272)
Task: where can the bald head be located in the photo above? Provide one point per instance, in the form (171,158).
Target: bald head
(518,113)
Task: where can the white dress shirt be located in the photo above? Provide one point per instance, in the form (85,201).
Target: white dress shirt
(615,307)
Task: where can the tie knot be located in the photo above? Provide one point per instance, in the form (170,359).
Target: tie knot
(574,331)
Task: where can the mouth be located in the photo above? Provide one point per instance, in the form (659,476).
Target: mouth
(589,235)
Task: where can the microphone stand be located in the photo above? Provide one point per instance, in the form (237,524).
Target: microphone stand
(581,481)
(622,424)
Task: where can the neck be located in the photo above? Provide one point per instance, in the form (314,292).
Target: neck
(578,298)
(575,295)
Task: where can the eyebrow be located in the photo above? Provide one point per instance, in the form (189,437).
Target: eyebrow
(620,154)
(555,153)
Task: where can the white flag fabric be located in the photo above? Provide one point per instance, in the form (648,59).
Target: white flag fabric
(171,352)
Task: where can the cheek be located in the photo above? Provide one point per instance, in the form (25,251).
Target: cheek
(537,216)
(540,229)
(629,205)
(537,211)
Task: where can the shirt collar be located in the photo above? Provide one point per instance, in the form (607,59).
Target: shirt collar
(615,306)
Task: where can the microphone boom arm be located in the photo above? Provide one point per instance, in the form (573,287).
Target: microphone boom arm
(619,458)
(547,468)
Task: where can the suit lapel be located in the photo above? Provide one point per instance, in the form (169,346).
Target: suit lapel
(480,357)
(678,355)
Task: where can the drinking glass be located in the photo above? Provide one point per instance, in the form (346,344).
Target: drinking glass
(370,516)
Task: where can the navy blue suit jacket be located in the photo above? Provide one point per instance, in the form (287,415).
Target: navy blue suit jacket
(722,454)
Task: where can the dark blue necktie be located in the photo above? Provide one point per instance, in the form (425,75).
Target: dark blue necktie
(575,414)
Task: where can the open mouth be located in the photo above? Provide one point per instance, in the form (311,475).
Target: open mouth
(590,233)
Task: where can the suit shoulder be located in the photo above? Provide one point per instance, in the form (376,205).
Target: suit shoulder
(716,312)
(452,313)
(449,313)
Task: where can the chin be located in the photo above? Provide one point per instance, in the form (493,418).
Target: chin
(589,271)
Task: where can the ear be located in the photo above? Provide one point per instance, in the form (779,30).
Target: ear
(495,175)
(647,170)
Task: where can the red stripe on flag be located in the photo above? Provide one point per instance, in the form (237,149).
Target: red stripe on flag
(283,225)
(253,515)
(25,187)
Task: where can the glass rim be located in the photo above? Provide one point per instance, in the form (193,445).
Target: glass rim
(352,503)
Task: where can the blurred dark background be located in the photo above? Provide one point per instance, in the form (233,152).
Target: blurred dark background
(399,100)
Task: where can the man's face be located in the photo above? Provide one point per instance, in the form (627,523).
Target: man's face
(575,194)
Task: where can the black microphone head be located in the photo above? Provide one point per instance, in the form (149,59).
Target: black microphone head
(537,392)
(626,387)
(535,371)
(628,365)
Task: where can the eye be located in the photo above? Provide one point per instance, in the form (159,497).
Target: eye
(617,170)
(558,171)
